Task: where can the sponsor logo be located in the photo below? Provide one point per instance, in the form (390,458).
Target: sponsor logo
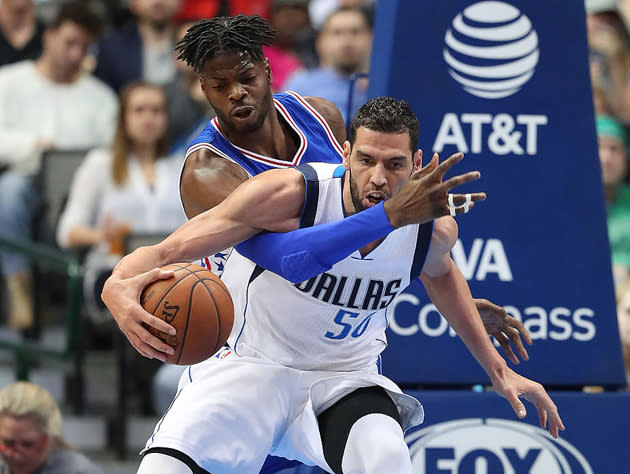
(491,49)
(223,353)
(169,312)
(491,445)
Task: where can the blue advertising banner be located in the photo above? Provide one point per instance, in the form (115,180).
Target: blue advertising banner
(467,432)
(502,82)
(478,433)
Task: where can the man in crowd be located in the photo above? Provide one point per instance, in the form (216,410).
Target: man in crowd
(46,104)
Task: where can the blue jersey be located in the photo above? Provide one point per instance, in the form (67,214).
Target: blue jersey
(316,140)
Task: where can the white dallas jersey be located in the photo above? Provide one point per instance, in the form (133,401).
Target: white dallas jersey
(336,320)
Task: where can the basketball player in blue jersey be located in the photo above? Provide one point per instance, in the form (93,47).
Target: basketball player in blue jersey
(308,350)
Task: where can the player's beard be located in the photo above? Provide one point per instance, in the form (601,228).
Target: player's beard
(355,194)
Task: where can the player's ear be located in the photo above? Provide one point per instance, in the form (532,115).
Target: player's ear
(268,70)
(417,160)
(347,149)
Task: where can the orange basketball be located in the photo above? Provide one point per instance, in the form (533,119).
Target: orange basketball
(198,305)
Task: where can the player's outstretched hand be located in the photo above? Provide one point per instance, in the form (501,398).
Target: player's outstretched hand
(504,328)
(511,386)
(426,197)
(122,298)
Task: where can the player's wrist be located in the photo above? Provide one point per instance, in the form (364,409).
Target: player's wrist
(392,213)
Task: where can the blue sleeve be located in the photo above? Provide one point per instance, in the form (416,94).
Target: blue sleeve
(305,253)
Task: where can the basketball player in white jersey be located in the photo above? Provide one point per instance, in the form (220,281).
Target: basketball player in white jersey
(300,376)
(255,131)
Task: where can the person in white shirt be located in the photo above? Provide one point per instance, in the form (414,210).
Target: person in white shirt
(44,104)
(129,187)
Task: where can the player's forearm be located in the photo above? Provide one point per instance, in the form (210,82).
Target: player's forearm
(451,295)
(305,253)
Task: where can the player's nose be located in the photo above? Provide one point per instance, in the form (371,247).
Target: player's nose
(378,176)
(237,92)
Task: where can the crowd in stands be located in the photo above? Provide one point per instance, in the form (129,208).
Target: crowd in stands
(608,29)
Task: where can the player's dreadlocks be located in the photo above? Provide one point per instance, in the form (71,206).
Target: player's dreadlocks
(386,114)
(220,35)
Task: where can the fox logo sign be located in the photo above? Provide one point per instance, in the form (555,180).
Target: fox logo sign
(492,446)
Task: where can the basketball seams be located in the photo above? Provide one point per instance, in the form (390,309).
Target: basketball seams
(179,268)
(219,284)
(166,292)
(216,312)
(182,341)
(182,272)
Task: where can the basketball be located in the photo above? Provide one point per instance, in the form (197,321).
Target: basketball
(198,305)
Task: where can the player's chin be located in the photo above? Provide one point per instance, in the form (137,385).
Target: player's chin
(245,125)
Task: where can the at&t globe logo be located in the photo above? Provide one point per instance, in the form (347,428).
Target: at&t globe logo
(492,446)
(491,49)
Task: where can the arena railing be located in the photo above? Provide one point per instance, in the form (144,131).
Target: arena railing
(29,352)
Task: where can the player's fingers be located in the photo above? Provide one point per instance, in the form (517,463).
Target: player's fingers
(448,163)
(515,337)
(555,423)
(461,199)
(517,405)
(152,275)
(156,323)
(147,350)
(463,209)
(507,348)
(138,345)
(520,327)
(462,179)
(154,343)
(428,168)
(542,416)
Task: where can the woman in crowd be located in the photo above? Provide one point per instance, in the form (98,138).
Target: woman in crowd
(132,187)
(30,435)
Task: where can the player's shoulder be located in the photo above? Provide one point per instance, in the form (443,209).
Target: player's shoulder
(206,136)
(331,115)
(204,161)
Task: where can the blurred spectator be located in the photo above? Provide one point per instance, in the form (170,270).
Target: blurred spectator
(132,184)
(188,109)
(45,104)
(128,188)
(30,435)
(609,45)
(600,100)
(21,33)
(343,44)
(623,316)
(320,9)
(614,162)
(199,9)
(142,49)
(293,47)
